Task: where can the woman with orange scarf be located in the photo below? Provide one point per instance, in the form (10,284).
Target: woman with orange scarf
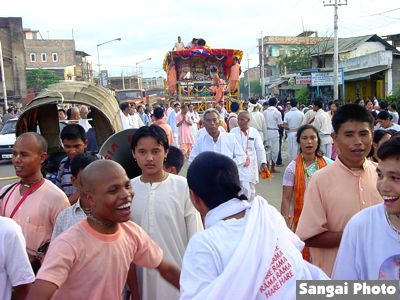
(298,173)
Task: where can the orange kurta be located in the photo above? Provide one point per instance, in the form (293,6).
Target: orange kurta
(333,195)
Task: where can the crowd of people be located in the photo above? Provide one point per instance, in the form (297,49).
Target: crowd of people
(95,233)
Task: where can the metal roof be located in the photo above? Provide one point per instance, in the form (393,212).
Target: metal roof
(349,44)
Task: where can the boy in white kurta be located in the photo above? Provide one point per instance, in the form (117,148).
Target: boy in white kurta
(162,207)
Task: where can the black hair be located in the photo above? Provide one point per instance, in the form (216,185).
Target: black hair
(69,112)
(214,178)
(10,110)
(153,131)
(90,117)
(158,113)
(393,106)
(124,106)
(384,115)
(379,134)
(357,101)
(390,148)
(293,103)
(351,112)
(174,158)
(318,102)
(382,105)
(81,161)
(234,106)
(177,104)
(62,109)
(305,127)
(272,101)
(201,42)
(73,132)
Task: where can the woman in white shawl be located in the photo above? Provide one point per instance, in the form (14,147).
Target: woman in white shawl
(247,251)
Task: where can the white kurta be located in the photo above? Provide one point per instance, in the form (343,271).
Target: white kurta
(226,144)
(165,212)
(257,121)
(252,145)
(293,118)
(369,249)
(273,119)
(194,116)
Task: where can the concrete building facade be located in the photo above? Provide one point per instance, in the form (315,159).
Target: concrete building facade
(12,42)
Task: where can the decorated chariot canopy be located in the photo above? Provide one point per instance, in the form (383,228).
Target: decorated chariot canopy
(198,63)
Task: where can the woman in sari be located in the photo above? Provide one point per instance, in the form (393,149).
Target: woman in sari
(298,173)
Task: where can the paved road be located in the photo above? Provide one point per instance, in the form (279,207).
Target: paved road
(269,189)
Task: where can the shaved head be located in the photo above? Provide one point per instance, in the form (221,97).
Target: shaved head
(39,141)
(95,171)
(244,112)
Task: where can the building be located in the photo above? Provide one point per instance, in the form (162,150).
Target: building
(369,64)
(58,56)
(12,43)
(153,83)
(275,48)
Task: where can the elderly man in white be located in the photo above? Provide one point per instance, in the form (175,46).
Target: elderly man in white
(323,123)
(292,120)
(249,138)
(273,120)
(216,141)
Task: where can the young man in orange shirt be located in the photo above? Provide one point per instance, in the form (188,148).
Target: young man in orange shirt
(106,241)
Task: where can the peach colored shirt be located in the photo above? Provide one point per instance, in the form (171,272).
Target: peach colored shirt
(333,195)
(168,130)
(235,72)
(37,214)
(86,264)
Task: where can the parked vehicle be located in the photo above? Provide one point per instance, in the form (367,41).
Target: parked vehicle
(7,139)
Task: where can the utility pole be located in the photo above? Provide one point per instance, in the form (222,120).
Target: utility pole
(3,80)
(262,67)
(335,4)
(248,73)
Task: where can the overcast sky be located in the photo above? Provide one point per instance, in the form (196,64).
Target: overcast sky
(149,28)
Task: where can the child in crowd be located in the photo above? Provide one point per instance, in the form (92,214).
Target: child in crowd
(78,211)
(175,160)
(73,138)
(106,240)
(162,207)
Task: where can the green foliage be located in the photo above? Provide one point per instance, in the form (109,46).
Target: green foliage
(255,88)
(395,97)
(302,95)
(39,79)
(299,58)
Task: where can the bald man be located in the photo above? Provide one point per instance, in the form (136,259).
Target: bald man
(83,121)
(107,238)
(33,202)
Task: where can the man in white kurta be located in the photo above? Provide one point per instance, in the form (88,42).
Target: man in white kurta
(250,141)
(171,120)
(323,123)
(194,116)
(273,120)
(165,212)
(292,121)
(216,141)
(257,120)
(124,115)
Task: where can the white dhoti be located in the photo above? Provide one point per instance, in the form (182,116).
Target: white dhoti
(272,149)
(326,150)
(292,146)
(175,143)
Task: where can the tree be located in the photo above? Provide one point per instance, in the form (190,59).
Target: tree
(38,79)
(302,95)
(299,58)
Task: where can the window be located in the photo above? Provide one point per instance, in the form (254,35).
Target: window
(54,57)
(44,57)
(33,57)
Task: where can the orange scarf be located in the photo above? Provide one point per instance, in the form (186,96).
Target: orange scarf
(299,190)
